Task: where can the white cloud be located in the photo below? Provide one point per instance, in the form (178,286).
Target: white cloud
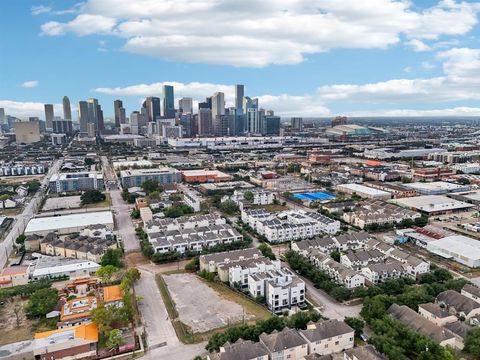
(40,9)
(457,111)
(418,45)
(426,65)
(256,34)
(27,109)
(407,69)
(30,84)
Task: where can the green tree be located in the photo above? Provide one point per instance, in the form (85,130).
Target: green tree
(42,302)
(421,221)
(228,207)
(115,339)
(135,214)
(472,343)
(356,324)
(112,257)
(33,186)
(193,265)
(89,161)
(335,255)
(248,196)
(150,186)
(92,196)
(266,251)
(105,273)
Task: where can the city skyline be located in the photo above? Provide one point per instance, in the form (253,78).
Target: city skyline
(383,58)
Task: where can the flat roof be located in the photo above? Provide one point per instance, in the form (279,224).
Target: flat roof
(151,171)
(52,223)
(365,189)
(432,203)
(460,245)
(435,186)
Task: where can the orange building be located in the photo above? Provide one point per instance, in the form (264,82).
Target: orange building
(202,176)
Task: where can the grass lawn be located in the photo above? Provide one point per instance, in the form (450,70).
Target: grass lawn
(103,204)
(251,307)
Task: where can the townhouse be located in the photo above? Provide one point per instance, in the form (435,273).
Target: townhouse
(240,350)
(327,244)
(327,337)
(182,223)
(289,225)
(239,271)
(285,344)
(458,304)
(472,292)
(436,314)
(193,239)
(280,288)
(379,272)
(358,260)
(212,262)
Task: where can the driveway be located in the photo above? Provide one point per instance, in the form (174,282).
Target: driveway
(162,341)
(124,221)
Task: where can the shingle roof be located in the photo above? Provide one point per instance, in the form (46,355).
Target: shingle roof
(241,350)
(326,329)
(458,301)
(281,340)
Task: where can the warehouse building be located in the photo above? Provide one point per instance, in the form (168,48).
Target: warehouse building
(459,248)
(433,204)
(68,224)
(437,187)
(364,191)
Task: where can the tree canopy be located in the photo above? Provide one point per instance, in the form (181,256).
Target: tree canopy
(42,302)
(92,196)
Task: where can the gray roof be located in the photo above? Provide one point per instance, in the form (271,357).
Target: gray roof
(471,289)
(416,322)
(435,309)
(241,350)
(460,302)
(326,329)
(231,255)
(459,328)
(367,352)
(281,340)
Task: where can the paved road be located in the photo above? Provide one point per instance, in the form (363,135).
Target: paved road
(162,341)
(29,211)
(124,221)
(331,308)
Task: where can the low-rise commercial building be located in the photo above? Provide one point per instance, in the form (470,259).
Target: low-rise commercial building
(459,248)
(437,187)
(434,204)
(364,191)
(201,176)
(14,276)
(51,267)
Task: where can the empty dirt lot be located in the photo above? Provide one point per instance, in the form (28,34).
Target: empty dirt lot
(190,294)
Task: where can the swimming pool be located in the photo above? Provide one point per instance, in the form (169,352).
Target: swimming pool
(313,196)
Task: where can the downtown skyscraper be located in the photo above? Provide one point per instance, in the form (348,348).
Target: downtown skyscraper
(49,116)
(168,102)
(67,109)
(119,113)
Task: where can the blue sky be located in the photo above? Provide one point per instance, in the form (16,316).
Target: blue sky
(300,57)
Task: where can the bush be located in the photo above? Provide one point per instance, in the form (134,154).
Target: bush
(178,210)
(193,265)
(266,251)
(112,257)
(207,275)
(42,302)
(92,197)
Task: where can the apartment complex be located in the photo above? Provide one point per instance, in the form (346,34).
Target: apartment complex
(136,177)
(79,181)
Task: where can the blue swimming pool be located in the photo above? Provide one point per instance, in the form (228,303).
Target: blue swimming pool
(313,196)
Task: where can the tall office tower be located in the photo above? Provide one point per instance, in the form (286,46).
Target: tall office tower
(100,124)
(138,122)
(218,104)
(83,116)
(92,111)
(185,105)
(297,123)
(67,110)
(222,125)
(271,125)
(168,103)
(239,94)
(203,105)
(117,106)
(186,120)
(254,121)
(152,104)
(248,103)
(63,126)
(91,130)
(204,122)
(2,116)
(123,116)
(49,115)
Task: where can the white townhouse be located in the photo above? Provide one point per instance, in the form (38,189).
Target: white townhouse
(239,271)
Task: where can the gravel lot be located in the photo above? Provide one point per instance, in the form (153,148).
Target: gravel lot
(59,203)
(199,306)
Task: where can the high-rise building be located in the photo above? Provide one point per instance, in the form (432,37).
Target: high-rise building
(271,125)
(93,112)
(185,105)
(100,123)
(67,110)
(186,120)
(204,122)
(49,115)
(117,110)
(83,116)
(27,132)
(152,104)
(63,126)
(218,104)
(2,116)
(168,103)
(222,125)
(138,122)
(239,94)
(297,123)
(254,120)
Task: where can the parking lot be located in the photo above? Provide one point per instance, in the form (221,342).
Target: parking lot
(190,294)
(62,203)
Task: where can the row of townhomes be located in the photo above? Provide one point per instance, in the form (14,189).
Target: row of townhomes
(371,212)
(261,277)
(448,320)
(258,197)
(191,233)
(317,341)
(363,261)
(289,225)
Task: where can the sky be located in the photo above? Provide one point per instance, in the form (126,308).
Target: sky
(310,58)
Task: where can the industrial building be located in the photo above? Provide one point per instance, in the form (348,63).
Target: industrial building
(433,204)
(459,248)
(364,191)
(437,187)
(201,176)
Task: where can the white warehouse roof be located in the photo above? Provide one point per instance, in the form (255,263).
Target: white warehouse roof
(362,189)
(461,248)
(53,223)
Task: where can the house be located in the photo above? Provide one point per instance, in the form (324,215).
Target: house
(32,242)
(77,311)
(112,295)
(436,314)
(359,259)
(75,342)
(461,331)
(472,292)
(211,262)
(367,352)
(327,337)
(8,204)
(458,304)
(325,244)
(238,271)
(285,344)
(377,273)
(14,276)
(22,191)
(241,350)
(418,323)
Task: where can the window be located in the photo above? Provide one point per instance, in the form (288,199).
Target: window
(326,346)
(337,342)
